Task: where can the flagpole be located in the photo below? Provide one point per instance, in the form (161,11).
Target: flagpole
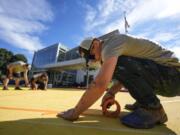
(126,25)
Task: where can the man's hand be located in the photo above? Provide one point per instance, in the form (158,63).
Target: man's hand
(68,115)
(33,85)
(106,97)
(10,76)
(27,85)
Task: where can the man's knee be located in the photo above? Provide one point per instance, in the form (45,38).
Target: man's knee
(124,65)
(41,86)
(124,60)
(127,63)
(128,68)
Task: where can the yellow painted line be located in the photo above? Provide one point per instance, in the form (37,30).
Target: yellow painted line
(44,112)
(28,109)
(1,96)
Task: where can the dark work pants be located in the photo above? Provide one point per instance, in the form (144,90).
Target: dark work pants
(145,78)
(41,85)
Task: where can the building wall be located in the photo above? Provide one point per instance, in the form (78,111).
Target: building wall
(52,55)
(81,74)
(45,56)
(48,55)
(69,55)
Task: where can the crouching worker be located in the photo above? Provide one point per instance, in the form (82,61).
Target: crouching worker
(141,66)
(39,81)
(17,71)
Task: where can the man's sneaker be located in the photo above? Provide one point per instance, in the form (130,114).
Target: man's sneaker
(5,88)
(132,107)
(17,88)
(145,118)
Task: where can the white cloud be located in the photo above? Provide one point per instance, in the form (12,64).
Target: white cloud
(27,9)
(171,41)
(21,22)
(108,7)
(175,47)
(109,13)
(19,25)
(171,8)
(90,16)
(164,37)
(21,40)
(102,15)
(154,9)
(176,50)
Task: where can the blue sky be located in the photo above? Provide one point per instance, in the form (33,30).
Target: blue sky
(29,25)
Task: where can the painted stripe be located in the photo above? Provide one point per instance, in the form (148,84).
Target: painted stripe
(44,112)
(27,109)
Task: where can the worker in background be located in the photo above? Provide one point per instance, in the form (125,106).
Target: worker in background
(16,71)
(39,81)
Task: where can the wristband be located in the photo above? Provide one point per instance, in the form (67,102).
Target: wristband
(110,93)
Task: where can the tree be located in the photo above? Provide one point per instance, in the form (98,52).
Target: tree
(7,57)
(18,57)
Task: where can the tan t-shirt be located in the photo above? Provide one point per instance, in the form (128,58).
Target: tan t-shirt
(17,67)
(121,44)
(38,77)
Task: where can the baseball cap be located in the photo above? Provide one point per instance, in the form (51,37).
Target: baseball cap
(86,43)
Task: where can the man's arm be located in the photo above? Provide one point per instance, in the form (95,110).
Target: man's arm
(46,82)
(115,88)
(26,78)
(95,90)
(10,71)
(33,85)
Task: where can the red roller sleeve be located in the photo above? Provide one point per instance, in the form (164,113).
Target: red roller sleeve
(108,113)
